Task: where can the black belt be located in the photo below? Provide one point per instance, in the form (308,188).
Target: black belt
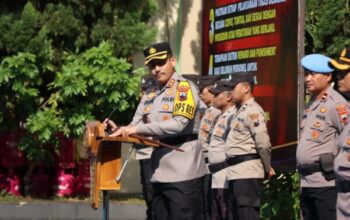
(309,169)
(179,139)
(343,186)
(232,161)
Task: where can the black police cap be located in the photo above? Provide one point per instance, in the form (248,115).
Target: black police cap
(239,77)
(205,81)
(220,86)
(158,51)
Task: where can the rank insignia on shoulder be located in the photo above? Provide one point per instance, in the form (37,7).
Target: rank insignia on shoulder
(171,83)
(151,95)
(323,109)
(342,112)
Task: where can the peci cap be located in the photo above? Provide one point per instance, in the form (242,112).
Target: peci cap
(205,81)
(343,63)
(158,51)
(147,81)
(236,78)
(220,86)
(317,63)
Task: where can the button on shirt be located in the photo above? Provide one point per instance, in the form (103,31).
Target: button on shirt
(322,122)
(169,165)
(248,135)
(216,149)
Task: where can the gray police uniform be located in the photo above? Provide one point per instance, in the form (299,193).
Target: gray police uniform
(177,176)
(248,152)
(216,149)
(207,123)
(342,170)
(143,154)
(322,122)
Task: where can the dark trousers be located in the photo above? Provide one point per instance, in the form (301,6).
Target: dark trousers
(244,198)
(207,196)
(147,186)
(318,203)
(179,200)
(219,207)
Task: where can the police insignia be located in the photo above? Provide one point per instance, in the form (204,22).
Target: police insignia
(317,124)
(315,134)
(342,112)
(147,109)
(171,83)
(165,117)
(165,107)
(184,103)
(348,141)
(323,109)
(151,95)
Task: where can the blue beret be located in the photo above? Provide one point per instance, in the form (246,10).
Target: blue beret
(317,63)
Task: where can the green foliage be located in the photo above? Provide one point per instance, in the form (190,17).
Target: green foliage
(280,199)
(327,26)
(66,62)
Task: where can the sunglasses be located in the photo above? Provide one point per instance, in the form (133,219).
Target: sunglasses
(154,63)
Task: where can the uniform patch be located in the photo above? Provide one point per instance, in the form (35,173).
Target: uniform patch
(184,104)
(342,112)
(165,117)
(165,107)
(237,125)
(323,109)
(219,132)
(317,124)
(315,134)
(255,119)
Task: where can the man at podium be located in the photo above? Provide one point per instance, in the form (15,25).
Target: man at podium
(177,176)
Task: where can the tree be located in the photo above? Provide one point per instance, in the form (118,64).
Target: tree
(66,62)
(327,27)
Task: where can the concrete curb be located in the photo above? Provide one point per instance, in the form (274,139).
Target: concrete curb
(69,210)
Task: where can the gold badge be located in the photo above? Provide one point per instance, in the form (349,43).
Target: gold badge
(315,134)
(237,125)
(323,109)
(152,50)
(165,107)
(317,124)
(166,117)
(147,109)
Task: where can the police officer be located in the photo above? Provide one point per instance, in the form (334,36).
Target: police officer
(143,154)
(342,160)
(177,176)
(248,150)
(322,122)
(207,122)
(216,151)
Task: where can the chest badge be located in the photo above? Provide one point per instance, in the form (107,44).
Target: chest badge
(323,109)
(165,107)
(315,134)
(317,124)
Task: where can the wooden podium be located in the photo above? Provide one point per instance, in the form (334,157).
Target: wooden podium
(105,161)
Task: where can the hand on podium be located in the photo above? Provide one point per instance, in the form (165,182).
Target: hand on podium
(124,131)
(109,126)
